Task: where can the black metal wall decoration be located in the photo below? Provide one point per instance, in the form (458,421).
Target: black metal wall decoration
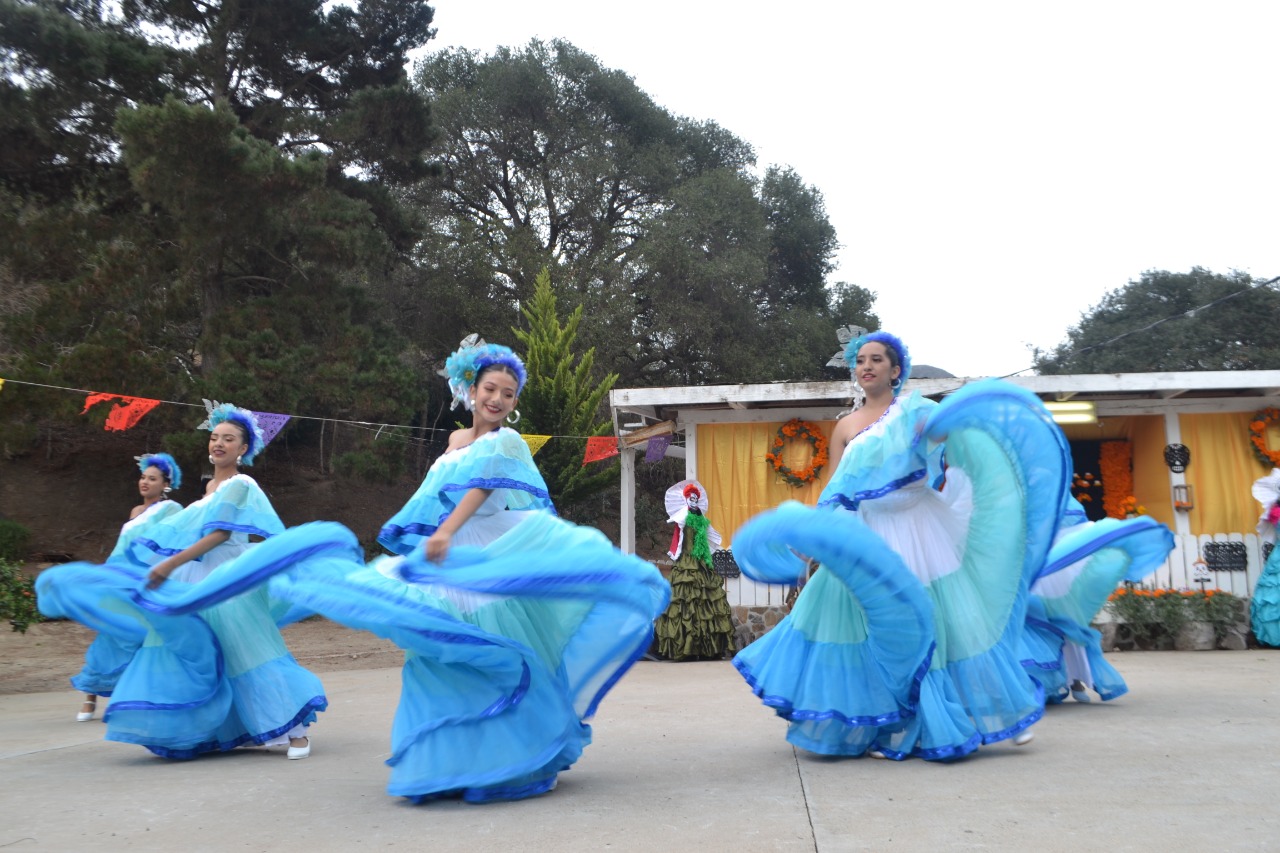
(723,564)
(1225,557)
(1177,457)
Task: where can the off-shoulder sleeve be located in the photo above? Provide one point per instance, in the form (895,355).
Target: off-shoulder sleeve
(239,506)
(501,462)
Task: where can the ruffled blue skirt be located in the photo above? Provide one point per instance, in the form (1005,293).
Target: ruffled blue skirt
(509,648)
(1084,568)
(1264,608)
(210,671)
(104,661)
(851,656)
(937,671)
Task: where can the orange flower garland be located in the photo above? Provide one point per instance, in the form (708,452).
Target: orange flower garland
(1114,459)
(1258,436)
(796,428)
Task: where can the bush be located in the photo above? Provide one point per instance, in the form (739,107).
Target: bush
(17,597)
(382,462)
(14,539)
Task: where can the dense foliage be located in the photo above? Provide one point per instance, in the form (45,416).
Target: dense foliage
(690,269)
(256,203)
(193,196)
(1168,321)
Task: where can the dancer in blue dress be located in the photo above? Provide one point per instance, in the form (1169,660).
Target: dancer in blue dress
(1088,561)
(906,641)
(213,672)
(107,656)
(515,623)
(1264,606)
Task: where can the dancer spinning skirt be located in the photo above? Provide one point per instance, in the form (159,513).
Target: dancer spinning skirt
(515,623)
(107,656)
(212,672)
(1088,561)
(1264,607)
(906,641)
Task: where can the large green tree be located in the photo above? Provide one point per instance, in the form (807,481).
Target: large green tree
(197,194)
(1167,321)
(688,266)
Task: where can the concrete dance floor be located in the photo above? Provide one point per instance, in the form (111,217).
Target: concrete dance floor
(686,759)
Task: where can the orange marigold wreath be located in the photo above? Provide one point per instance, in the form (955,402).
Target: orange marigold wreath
(1258,436)
(796,428)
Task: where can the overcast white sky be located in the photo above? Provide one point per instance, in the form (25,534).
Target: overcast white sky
(991,168)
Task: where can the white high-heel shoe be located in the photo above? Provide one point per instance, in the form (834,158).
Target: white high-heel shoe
(86,716)
(1024,737)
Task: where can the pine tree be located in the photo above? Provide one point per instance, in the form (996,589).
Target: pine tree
(562,400)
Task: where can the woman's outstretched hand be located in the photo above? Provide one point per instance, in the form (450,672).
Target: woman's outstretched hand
(437,546)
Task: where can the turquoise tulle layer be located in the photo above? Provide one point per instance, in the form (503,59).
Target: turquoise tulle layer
(107,656)
(1084,567)
(851,655)
(509,648)
(104,661)
(1264,609)
(210,671)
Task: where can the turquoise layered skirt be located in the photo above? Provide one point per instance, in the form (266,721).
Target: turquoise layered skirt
(908,639)
(209,670)
(509,648)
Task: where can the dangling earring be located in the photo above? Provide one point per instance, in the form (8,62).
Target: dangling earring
(238,458)
(896,384)
(210,458)
(516,419)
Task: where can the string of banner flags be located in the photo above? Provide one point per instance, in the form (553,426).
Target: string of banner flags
(126,411)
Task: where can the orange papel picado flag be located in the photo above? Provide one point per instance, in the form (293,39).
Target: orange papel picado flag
(125,414)
(600,447)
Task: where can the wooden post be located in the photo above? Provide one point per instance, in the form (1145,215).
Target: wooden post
(627,528)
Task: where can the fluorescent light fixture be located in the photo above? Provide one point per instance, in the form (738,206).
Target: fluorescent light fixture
(1073,412)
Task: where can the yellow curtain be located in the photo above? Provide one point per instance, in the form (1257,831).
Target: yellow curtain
(740,482)
(1150,474)
(1222,470)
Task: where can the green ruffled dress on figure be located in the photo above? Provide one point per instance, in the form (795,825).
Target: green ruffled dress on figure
(698,624)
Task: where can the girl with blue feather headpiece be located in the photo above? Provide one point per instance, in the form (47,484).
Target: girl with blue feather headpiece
(107,655)
(515,622)
(911,638)
(214,673)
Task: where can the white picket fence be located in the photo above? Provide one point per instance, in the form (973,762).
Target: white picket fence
(1179,571)
(1186,563)
(743,590)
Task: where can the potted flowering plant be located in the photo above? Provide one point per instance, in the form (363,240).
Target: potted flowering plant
(1171,618)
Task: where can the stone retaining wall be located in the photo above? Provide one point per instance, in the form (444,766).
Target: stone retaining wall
(750,623)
